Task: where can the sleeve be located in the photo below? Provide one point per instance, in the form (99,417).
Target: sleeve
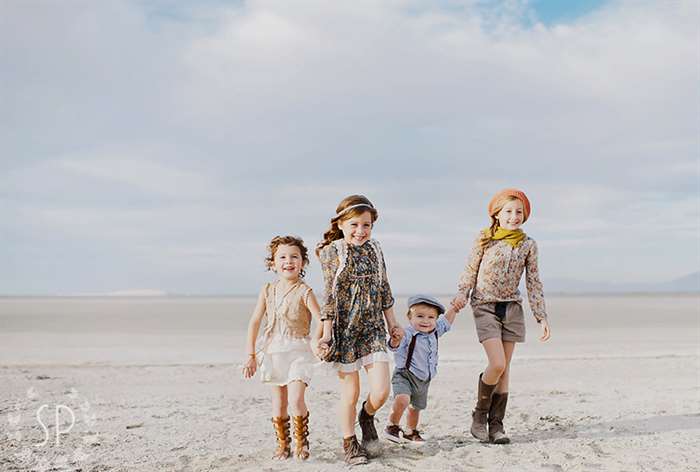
(329,267)
(442,326)
(467,280)
(307,292)
(534,285)
(385,289)
(402,345)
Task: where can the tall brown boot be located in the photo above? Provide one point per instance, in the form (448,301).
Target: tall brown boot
(301,434)
(281,426)
(369,432)
(354,453)
(481,411)
(497,434)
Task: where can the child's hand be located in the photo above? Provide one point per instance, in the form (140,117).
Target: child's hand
(323,347)
(397,333)
(395,337)
(250,367)
(546,333)
(459,301)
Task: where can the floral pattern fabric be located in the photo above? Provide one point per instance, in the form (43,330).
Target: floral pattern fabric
(357,292)
(493,274)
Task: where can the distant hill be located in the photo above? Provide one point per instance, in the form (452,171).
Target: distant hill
(688,283)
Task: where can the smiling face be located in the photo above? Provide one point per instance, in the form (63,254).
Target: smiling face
(357,229)
(423,317)
(511,215)
(288,262)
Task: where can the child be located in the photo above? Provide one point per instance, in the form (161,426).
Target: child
(358,301)
(288,304)
(416,357)
(492,275)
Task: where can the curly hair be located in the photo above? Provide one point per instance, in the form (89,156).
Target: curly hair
(278,241)
(333,233)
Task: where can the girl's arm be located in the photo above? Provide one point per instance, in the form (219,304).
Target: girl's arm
(534,291)
(322,336)
(467,281)
(251,364)
(329,267)
(395,331)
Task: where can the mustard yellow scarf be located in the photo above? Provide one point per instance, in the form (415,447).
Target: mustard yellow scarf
(514,237)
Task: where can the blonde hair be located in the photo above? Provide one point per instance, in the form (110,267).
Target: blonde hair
(488,233)
(360,204)
(425,305)
(278,241)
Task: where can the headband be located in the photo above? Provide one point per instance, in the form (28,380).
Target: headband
(345,210)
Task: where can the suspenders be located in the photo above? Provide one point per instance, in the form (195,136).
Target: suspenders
(412,346)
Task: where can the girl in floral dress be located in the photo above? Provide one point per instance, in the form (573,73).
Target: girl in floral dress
(494,268)
(357,313)
(286,305)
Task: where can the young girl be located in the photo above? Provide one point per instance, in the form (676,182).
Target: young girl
(492,275)
(287,304)
(358,301)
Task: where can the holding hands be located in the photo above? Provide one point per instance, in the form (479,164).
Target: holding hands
(396,334)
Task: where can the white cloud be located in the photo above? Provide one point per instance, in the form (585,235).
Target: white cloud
(237,122)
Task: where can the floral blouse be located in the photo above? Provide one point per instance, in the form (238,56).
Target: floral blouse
(493,274)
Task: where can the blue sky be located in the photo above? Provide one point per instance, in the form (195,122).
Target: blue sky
(158,145)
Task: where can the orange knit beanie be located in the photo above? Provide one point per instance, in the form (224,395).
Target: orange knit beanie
(509,192)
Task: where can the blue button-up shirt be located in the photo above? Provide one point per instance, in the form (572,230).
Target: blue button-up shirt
(425,353)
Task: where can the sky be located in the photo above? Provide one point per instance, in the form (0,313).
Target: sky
(161,145)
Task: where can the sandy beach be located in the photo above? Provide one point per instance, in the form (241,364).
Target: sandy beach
(155,384)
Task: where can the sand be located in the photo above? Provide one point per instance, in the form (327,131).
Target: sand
(587,401)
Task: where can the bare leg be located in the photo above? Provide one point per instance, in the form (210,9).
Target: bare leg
(497,360)
(508,348)
(412,419)
(379,380)
(279,401)
(401,402)
(349,393)
(296,392)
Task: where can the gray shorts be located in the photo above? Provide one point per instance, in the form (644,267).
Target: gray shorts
(502,320)
(405,382)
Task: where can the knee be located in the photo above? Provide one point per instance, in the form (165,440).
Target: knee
(379,396)
(297,405)
(498,367)
(401,401)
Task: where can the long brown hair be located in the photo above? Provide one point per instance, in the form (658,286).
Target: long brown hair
(333,233)
(488,234)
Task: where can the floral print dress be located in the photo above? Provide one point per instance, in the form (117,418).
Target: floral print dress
(357,292)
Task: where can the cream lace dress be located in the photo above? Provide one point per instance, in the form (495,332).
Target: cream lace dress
(287,354)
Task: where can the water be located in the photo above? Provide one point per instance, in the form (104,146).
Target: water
(176,330)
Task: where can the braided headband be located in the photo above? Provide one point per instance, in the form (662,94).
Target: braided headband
(352,207)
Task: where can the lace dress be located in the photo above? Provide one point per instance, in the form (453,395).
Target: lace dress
(287,354)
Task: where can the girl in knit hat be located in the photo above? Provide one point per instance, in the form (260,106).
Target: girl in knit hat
(490,279)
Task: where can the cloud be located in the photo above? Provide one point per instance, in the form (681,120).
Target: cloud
(191,131)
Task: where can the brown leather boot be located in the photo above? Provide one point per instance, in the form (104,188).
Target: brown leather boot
(369,432)
(354,453)
(497,434)
(481,411)
(281,426)
(301,434)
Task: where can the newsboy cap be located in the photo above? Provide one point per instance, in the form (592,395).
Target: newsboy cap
(428,300)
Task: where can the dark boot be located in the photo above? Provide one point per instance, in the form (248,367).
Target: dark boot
(354,453)
(369,432)
(281,426)
(481,411)
(497,434)
(301,435)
